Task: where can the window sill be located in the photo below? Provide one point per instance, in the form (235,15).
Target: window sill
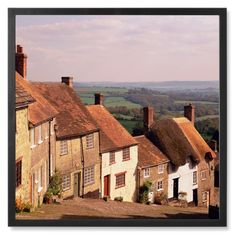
(33,146)
(112,163)
(40,189)
(160,173)
(46,137)
(161,189)
(41,141)
(85,185)
(146,176)
(125,160)
(121,186)
(63,154)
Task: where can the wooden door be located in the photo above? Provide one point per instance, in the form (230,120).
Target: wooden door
(106,185)
(77,180)
(176,188)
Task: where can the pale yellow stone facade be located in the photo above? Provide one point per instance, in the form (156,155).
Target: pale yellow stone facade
(23,153)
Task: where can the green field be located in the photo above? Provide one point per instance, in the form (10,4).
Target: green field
(194,102)
(128,124)
(103,90)
(207,117)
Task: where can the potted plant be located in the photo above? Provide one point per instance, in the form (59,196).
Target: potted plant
(48,197)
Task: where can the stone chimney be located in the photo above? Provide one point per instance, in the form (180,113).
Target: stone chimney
(67,80)
(189,112)
(21,62)
(213,145)
(99,98)
(148,120)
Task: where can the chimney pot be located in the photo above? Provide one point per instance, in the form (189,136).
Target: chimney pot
(99,98)
(189,112)
(21,62)
(148,120)
(67,80)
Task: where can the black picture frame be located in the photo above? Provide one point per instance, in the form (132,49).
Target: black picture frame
(222,13)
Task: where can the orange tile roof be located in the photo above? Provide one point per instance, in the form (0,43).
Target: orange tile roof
(148,154)
(73,118)
(113,135)
(179,140)
(39,111)
(23,98)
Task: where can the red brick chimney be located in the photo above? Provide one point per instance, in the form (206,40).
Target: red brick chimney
(148,120)
(189,112)
(67,80)
(21,62)
(99,98)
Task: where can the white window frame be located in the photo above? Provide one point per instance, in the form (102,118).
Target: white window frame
(160,168)
(203,175)
(117,180)
(204,196)
(40,134)
(111,162)
(90,141)
(89,173)
(32,137)
(126,154)
(159,185)
(46,131)
(66,182)
(63,147)
(40,179)
(194,177)
(146,172)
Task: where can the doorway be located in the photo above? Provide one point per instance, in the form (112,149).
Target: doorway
(176,188)
(106,186)
(77,181)
(195,198)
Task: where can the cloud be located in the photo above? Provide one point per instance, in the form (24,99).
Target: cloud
(98,43)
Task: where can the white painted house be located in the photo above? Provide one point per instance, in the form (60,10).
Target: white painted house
(119,155)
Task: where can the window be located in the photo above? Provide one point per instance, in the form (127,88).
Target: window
(65,182)
(195,177)
(160,185)
(120,180)
(40,178)
(89,175)
(40,139)
(18,173)
(32,138)
(160,169)
(89,141)
(63,147)
(126,154)
(46,130)
(203,175)
(112,158)
(146,172)
(51,128)
(204,196)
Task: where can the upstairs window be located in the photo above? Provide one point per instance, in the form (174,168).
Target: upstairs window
(160,169)
(203,175)
(146,172)
(18,173)
(194,177)
(40,136)
(32,137)
(89,141)
(63,147)
(112,158)
(126,154)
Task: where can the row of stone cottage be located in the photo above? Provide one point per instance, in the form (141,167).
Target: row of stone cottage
(95,155)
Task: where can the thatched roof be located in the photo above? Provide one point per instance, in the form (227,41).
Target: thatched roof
(179,140)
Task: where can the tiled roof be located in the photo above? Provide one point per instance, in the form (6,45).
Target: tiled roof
(23,98)
(39,111)
(73,118)
(113,135)
(148,154)
(179,140)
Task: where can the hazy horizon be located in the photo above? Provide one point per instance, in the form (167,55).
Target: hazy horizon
(120,48)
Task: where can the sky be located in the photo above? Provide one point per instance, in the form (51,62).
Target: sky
(120,48)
